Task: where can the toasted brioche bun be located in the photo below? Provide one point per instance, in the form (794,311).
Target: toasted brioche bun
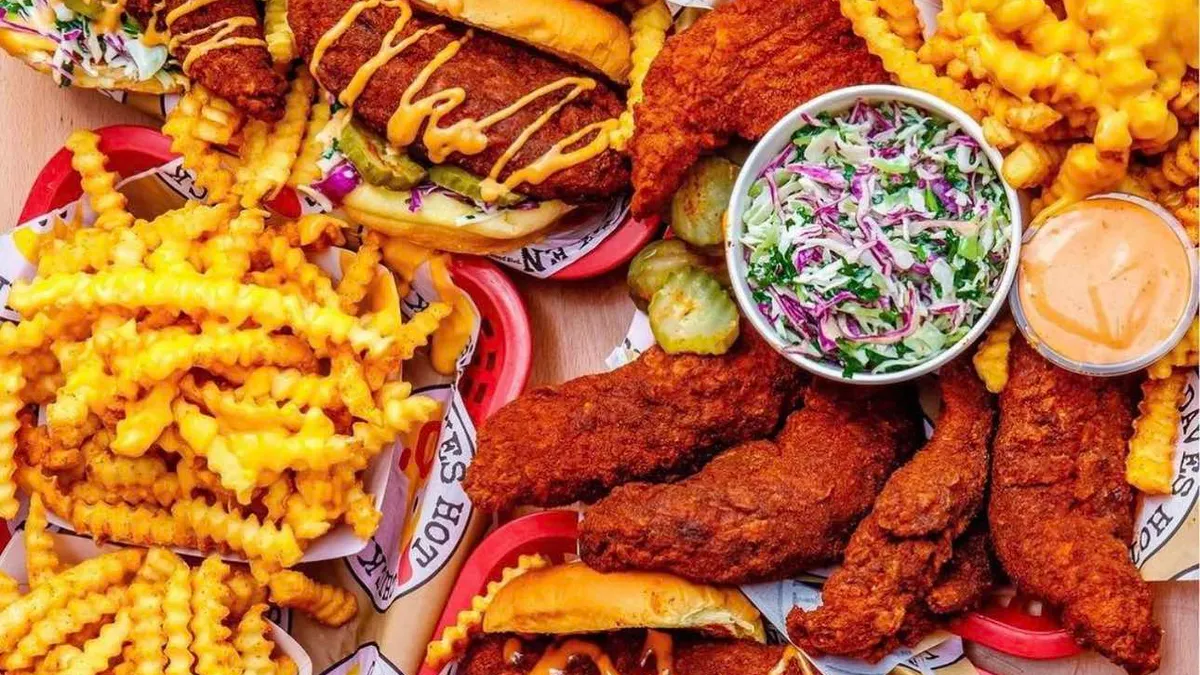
(573,30)
(447,224)
(574,598)
(37,51)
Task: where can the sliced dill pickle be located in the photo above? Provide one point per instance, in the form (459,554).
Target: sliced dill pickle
(466,184)
(649,269)
(92,9)
(378,162)
(693,313)
(698,206)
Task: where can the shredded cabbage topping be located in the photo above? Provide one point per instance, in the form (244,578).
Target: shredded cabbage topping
(115,56)
(877,238)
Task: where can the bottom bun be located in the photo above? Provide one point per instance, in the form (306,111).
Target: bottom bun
(448,224)
(574,598)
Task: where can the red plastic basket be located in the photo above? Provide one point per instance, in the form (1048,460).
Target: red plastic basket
(614,251)
(503,352)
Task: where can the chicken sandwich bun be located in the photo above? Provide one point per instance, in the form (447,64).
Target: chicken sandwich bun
(471,126)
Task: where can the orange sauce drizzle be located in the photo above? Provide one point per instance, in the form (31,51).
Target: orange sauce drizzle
(110,20)
(467,136)
(659,647)
(556,658)
(512,651)
(152,36)
(220,33)
(790,655)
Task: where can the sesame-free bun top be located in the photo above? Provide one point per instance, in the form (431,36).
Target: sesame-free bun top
(574,598)
(576,31)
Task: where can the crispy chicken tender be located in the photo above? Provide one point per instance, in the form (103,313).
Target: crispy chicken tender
(661,416)
(1061,513)
(242,74)
(898,551)
(735,72)
(766,509)
(967,577)
(626,652)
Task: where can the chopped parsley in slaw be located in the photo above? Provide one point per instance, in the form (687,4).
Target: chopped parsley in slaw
(877,238)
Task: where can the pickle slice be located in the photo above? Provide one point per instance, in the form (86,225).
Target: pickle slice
(378,162)
(692,313)
(649,269)
(92,9)
(698,206)
(466,184)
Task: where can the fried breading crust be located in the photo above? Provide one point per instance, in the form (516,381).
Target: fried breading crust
(736,72)
(1061,513)
(898,551)
(691,657)
(661,417)
(966,579)
(764,510)
(492,70)
(243,75)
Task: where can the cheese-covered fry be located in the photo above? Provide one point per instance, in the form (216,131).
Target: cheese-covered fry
(99,184)
(1149,465)
(902,19)
(306,170)
(41,561)
(9,590)
(361,513)
(357,277)
(145,420)
(269,171)
(330,605)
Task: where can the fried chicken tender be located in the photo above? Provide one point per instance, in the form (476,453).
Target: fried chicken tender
(898,551)
(662,416)
(735,72)
(966,579)
(1061,513)
(242,74)
(766,509)
(626,651)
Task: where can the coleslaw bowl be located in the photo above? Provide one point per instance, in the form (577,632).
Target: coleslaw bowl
(770,147)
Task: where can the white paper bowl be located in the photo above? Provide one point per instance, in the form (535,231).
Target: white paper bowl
(770,146)
(73,549)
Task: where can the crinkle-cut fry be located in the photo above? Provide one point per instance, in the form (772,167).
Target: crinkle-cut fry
(244,591)
(58,658)
(991,359)
(41,560)
(1149,466)
(1183,354)
(243,414)
(243,534)
(36,448)
(469,622)
(1085,171)
(1032,118)
(290,261)
(227,255)
(146,637)
(202,297)
(330,489)
(218,121)
(11,383)
(319,230)
(329,605)
(307,520)
(177,618)
(103,648)
(99,184)
(90,576)
(54,629)
(306,170)
(1033,163)
(903,20)
(282,384)
(129,524)
(33,333)
(211,639)
(145,419)
(179,353)
(274,499)
(198,155)
(648,33)
(280,40)
(252,644)
(358,275)
(400,416)
(350,379)
(1186,103)
(269,171)
(361,514)
(1180,163)
(88,389)
(9,590)
(114,472)
(35,482)
(159,565)
(901,61)
(284,665)
(163,493)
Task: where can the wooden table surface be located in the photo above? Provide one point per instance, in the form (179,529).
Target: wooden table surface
(574,325)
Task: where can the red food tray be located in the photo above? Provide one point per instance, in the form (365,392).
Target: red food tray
(503,352)
(1010,629)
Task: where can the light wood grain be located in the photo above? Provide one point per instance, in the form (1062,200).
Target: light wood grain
(574,325)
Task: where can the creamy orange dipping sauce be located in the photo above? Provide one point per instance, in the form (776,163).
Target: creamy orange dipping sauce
(1104,282)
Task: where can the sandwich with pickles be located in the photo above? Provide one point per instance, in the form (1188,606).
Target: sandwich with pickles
(472,126)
